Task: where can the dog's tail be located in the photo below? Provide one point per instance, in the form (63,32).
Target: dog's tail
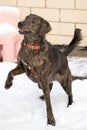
(75,41)
(79,77)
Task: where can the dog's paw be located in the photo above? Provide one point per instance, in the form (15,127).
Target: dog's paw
(42,97)
(51,121)
(70,101)
(8,82)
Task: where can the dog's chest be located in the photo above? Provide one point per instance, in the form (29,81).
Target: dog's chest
(33,59)
(38,60)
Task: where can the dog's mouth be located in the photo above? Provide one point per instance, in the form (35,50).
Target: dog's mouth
(21,31)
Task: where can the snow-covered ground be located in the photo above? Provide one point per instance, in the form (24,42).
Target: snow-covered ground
(21,108)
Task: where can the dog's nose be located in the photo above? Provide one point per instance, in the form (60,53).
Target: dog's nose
(20,24)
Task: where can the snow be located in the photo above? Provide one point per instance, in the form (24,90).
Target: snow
(21,108)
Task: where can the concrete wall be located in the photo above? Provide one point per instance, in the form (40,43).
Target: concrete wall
(63,15)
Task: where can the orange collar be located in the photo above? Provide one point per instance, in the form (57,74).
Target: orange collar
(31,46)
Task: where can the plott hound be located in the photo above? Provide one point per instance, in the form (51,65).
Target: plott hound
(43,62)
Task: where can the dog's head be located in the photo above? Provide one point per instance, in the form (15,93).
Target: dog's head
(34,25)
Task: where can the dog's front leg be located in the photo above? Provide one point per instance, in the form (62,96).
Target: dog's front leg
(11,74)
(46,91)
(50,88)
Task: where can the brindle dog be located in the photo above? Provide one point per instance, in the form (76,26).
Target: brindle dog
(43,62)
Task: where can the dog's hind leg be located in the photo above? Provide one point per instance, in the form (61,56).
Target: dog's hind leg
(67,88)
(11,74)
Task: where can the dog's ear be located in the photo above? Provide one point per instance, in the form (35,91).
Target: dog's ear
(44,28)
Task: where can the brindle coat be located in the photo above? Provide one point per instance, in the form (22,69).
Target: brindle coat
(43,65)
